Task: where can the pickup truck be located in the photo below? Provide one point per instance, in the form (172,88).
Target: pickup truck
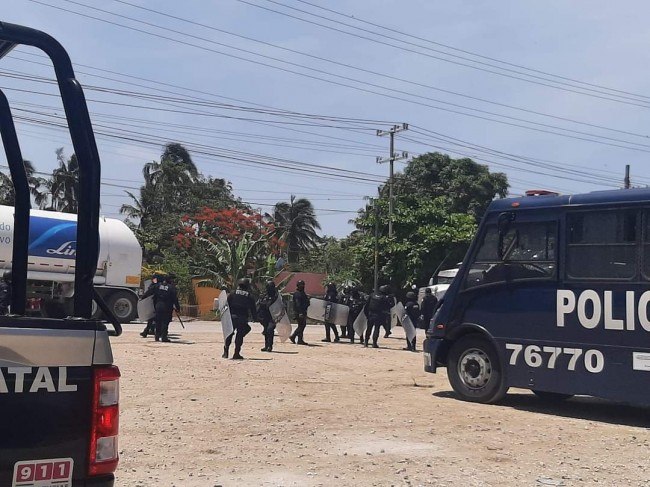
(59,389)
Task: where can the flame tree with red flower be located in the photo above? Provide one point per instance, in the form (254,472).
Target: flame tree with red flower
(228,244)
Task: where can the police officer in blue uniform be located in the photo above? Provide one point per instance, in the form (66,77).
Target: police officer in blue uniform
(150,329)
(378,312)
(300,305)
(331,295)
(356,303)
(264,314)
(241,305)
(166,299)
(413,311)
(428,307)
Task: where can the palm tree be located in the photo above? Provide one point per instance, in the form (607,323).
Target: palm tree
(165,183)
(7,194)
(297,224)
(61,190)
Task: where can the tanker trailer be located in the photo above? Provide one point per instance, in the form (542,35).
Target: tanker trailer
(51,265)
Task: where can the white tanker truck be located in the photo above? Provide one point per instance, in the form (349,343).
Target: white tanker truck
(51,266)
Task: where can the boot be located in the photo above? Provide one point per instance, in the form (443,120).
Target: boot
(165,339)
(374,345)
(293,339)
(237,356)
(225,352)
(302,342)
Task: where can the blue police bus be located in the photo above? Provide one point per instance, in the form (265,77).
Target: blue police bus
(553,297)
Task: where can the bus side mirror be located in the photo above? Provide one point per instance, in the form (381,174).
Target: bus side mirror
(503,225)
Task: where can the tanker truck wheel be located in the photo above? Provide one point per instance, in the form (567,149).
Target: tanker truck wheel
(124,305)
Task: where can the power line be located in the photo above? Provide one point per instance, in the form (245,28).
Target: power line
(587,137)
(619,98)
(447,46)
(376,73)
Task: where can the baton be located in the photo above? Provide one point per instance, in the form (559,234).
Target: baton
(179,319)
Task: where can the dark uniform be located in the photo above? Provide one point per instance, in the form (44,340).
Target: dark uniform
(150,329)
(300,305)
(5,293)
(413,311)
(331,295)
(166,300)
(241,305)
(356,304)
(428,307)
(345,300)
(378,312)
(264,314)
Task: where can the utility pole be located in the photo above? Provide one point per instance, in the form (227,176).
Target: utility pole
(375,205)
(393,156)
(626,183)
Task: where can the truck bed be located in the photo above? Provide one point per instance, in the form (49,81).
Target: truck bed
(46,395)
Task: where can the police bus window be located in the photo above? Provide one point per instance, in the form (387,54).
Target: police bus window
(646,244)
(602,245)
(527,251)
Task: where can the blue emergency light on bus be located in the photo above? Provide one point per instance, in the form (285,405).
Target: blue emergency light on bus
(52,238)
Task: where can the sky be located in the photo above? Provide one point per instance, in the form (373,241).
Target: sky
(284,97)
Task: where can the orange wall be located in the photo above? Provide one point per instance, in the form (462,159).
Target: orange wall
(205,297)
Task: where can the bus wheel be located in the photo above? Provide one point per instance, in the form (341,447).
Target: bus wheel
(551,396)
(474,370)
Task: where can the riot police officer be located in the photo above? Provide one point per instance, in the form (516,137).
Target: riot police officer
(331,295)
(356,304)
(5,293)
(413,312)
(300,305)
(428,307)
(345,300)
(265,316)
(378,312)
(166,300)
(241,305)
(150,329)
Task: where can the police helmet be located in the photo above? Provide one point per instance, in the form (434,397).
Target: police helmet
(331,286)
(385,290)
(410,295)
(346,289)
(7,276)
(244,284)
(428,291)
(300,284)
(270,286)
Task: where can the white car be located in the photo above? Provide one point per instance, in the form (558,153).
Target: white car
(439,283)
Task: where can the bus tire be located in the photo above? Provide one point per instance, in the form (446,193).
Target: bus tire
(551,396)
(474,370)
(124,305)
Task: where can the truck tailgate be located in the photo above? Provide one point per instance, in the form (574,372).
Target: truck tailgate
(46,400)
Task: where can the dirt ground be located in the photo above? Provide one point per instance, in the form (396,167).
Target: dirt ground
(341,415)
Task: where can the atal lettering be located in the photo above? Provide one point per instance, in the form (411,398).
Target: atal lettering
(595,309)
(34,379)
(67,249)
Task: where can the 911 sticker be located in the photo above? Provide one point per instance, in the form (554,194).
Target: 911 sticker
(56,472)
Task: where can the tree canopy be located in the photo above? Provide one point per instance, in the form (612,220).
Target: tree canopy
(438,203)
